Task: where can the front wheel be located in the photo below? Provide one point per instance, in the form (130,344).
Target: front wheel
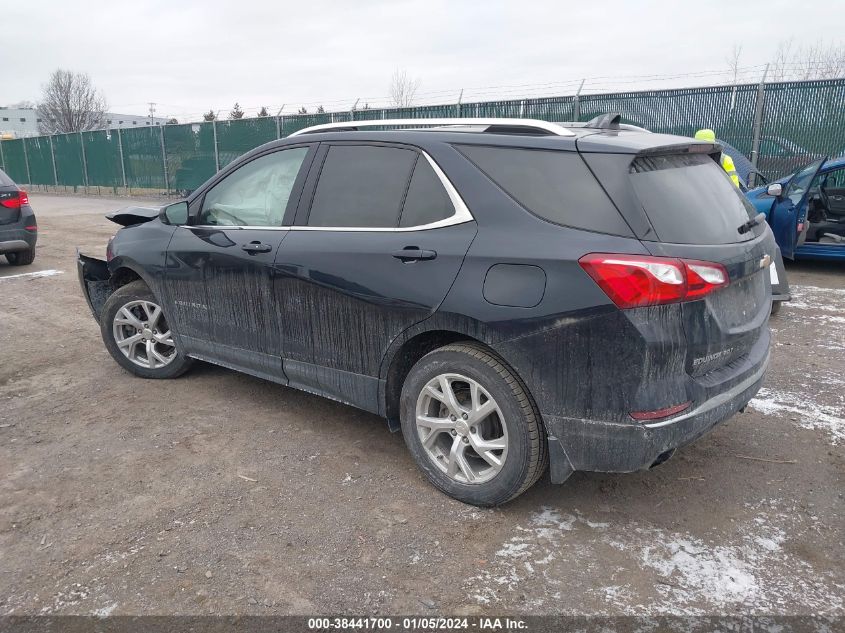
(471,425)
(137,335)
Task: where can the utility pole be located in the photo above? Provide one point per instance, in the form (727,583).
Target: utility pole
(152,112)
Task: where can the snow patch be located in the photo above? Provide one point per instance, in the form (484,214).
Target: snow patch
(656,571)
(104,612)
(808,414)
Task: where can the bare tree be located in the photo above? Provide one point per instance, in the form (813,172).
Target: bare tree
(780,64)
(403,89)
(70,103)
(733,61)
(813,61)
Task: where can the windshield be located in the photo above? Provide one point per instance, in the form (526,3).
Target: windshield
(689,199)
(797,187)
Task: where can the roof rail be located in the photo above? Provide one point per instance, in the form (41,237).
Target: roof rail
(493,125)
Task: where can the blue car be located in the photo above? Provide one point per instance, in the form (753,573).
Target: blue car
(806,210)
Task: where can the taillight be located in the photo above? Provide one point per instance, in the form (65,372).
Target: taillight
(633,281)
(17,201)
(11,203)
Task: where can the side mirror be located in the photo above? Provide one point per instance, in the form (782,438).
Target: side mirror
(175,214)
(775,190)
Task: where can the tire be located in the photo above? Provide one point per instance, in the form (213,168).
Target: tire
(21,258)
(514,423)
(139,301)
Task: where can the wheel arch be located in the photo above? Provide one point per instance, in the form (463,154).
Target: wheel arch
(415,343)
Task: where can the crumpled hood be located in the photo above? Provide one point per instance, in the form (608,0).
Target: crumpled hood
(134,215)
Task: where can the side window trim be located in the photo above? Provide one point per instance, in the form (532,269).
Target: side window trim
(293,199)
(461,213)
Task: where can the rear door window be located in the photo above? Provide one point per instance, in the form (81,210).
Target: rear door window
(689,199)
(554,185)
(362,186)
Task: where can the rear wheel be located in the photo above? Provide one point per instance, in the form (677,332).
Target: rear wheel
(138,336)
(471,425)
(21,258)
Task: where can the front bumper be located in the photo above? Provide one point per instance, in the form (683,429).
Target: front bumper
(593,445)
(93,276)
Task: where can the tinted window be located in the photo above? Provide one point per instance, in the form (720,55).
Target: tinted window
(361,186)
(554,185)
(255,194)
(5,181)
(689,199)
(427,200)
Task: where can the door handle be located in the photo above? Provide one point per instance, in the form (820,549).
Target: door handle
(257,247)
(413,254)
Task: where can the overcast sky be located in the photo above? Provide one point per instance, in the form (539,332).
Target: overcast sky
(191,55)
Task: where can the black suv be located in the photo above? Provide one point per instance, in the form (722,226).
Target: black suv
(18,229)
(509,293)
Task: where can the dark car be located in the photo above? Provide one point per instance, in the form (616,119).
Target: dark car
(509,293)
(18,229)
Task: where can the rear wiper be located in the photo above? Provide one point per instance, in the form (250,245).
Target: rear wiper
(757,219)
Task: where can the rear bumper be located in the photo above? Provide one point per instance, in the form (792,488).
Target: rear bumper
(16,240)
(593,445)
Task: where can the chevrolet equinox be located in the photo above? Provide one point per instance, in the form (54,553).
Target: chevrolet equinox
(512,294)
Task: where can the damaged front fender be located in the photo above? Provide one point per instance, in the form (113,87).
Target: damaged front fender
(94,277)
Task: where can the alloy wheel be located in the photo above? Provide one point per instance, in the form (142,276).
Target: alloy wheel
(461,428)
(143,335)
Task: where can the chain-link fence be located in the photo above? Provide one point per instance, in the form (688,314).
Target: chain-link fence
(779,126)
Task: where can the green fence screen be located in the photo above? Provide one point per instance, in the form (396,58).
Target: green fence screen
(40,160)
(235,138)
(14,160)
(102,158)
(67,151)
(801,122)
(143,158)
(189,151)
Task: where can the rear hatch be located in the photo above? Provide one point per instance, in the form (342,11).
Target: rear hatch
(682,205)
(10,200)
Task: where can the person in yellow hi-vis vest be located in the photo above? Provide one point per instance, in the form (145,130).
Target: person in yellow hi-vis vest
(727,162)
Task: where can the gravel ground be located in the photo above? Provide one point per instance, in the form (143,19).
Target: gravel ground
(219,493)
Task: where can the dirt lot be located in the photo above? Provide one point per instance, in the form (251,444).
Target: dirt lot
(219,493)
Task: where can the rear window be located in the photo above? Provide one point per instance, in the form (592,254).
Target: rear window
(5,181)
(689,199)
(426,200)
(554,185)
